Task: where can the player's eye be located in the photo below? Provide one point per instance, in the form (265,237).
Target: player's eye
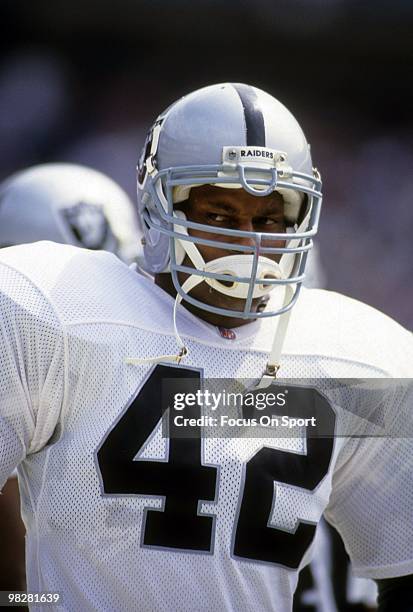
(216,218)
(266,221)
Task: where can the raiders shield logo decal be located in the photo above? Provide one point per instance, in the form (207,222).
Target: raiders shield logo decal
(88,224)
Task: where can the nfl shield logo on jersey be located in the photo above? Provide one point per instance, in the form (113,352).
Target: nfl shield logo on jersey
(88,224)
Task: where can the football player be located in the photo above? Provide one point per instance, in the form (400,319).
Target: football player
(121,511)
(75,205)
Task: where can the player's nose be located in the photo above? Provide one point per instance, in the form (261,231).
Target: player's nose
(246,225)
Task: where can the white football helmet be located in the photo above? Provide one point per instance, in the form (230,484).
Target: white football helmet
(68,203)
(228,135)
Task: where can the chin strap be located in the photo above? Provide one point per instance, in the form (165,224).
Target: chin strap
(273,363)
(189,284)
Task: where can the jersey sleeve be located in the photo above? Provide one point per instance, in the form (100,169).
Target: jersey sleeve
(371,503)
(32,374)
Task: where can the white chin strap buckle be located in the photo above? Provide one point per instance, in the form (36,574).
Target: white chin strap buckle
(242,266)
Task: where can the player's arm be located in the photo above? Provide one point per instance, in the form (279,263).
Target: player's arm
(395,594)
(15,429)
(371,500)
(32,360)
(12,563)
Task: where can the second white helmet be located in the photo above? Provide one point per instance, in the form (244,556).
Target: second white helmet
(67,203)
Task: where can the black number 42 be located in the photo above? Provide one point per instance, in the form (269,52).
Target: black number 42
(183,482)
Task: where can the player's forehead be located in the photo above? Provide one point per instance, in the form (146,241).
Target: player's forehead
(235,199)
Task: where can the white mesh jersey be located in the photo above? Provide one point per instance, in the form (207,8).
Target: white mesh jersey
(173,534)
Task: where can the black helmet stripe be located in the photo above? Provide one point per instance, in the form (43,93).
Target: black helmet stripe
(254,119)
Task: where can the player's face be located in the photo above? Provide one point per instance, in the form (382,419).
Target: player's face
(235,209)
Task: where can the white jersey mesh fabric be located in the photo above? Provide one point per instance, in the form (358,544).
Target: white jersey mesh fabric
(69,318)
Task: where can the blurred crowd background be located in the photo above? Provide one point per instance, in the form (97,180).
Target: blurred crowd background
(82,82)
